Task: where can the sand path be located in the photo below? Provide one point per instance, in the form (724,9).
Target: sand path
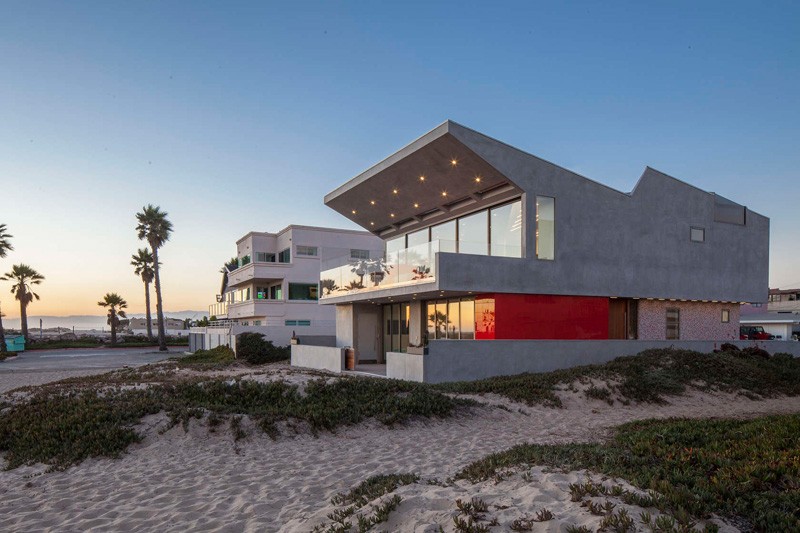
(203,482)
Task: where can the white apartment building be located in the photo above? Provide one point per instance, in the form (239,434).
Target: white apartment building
(274,286)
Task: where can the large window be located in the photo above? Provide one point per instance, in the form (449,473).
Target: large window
(545,227)
(496,231)
(395,245)
(673,324)
(359,254)
(446,235)
(450,319)
(265,257)
(473,234)
(506,230)
(418,237)
(285,256)
(303,291)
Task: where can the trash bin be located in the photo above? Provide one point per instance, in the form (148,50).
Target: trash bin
(349,359)
(15,344)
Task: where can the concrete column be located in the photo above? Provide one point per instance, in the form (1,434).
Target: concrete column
(415,323)
(345,326)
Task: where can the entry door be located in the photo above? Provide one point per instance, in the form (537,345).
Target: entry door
(617,318)
(367,339)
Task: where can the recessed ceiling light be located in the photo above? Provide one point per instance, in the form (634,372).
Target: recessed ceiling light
(416,205)
(354,211)
(394,191)
(372,202)
(422,178)
(371,223)
(391,215)
(454,162)
(444,193)
(477,179)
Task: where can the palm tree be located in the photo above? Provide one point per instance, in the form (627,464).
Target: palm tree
(24,276)
(154,228)
(143,267)
(5,241)
(116,305)
(5,247)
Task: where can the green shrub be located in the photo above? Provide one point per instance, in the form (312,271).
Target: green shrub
(62,425)
(741,469)
(253,348)
(652,376)
(221,355)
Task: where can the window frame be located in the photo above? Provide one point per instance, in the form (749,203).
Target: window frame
(310,287)
(677,324)
(692,229)
(726,316)
(536,229)
(302,250)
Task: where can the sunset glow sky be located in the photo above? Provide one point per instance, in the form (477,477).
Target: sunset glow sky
(239,116)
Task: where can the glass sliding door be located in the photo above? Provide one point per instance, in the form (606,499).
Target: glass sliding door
(453,324)
(467,319)
(473,234)
(506,230)
(430,318)
(446,235)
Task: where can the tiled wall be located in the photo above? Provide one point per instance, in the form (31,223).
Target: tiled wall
(698,320)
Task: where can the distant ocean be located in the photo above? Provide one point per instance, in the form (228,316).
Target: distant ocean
(87,322)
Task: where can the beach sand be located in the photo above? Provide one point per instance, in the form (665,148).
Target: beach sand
(201,481)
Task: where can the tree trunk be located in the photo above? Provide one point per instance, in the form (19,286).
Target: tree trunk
(23,312)
(113,327)
(162,339)
(3,348)
(147,307)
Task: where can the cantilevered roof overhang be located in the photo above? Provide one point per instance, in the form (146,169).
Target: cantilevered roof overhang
(434,178)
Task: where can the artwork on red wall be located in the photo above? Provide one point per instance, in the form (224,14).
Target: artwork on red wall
(538,316)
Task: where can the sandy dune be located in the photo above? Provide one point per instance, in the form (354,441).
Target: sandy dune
(180,481)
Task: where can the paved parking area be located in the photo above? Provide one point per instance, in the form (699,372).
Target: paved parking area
(41,366)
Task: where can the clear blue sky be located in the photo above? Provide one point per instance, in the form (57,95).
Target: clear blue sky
(240,116)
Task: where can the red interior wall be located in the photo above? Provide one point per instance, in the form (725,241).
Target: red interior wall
(536,316)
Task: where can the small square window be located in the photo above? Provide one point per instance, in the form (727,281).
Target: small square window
(698,234)
(726,316)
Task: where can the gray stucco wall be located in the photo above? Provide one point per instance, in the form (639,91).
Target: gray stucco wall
(613,244)
(470,360)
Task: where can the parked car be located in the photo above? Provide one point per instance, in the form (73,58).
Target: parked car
(754,333)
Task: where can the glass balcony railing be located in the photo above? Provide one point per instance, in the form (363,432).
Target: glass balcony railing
(416,264)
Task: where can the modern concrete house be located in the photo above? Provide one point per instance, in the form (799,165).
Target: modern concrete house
(273,288)
(498,262)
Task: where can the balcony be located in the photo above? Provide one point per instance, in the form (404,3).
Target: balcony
(407,267)
(219,310)
(257,271)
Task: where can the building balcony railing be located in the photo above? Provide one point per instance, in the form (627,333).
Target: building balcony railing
(219,309)
(416,264)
